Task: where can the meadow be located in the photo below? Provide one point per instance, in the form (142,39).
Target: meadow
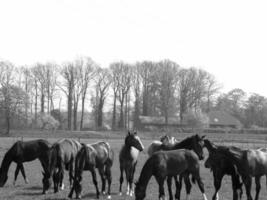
(33,169)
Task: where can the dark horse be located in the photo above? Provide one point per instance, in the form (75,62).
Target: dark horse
(62,156)
(128,159)
(104,157)
(195,143)
(24,151)
(250,163)
(169,163)
(222,165)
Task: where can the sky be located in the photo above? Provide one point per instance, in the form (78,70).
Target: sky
(227,38)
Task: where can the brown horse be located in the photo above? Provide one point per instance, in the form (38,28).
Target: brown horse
(250,163)
(24,151)
(85,160)
(103,162)
(221,165)
(62,156)
(195,143)
(128,159)
(169,163)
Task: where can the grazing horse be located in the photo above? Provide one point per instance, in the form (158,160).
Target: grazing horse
(128,159)
(221,165)
(169,163)
(24,151)
(103,162)
(85,160)
(195,143)
(156,144)
(62,155)
(250,163)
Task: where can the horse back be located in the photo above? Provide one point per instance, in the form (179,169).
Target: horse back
(176,161)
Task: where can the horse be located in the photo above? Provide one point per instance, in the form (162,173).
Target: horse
(24,151)
(250,163)
(85,160)
(195,143)
(164,164)
(128,159)
(103,162)
(62,155)
(221,165)
(156,144)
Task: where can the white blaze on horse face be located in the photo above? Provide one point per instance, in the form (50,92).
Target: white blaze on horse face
(204,196)
(139,140)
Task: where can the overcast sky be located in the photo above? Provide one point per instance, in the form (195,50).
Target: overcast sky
(227,38)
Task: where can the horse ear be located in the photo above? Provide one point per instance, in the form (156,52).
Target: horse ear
(129,133)
(135,133)
(203,136)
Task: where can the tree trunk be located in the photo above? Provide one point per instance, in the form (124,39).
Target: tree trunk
(75,108)
(42,102)
(69,108)
(82,114)
(114,112)
(121,121)
(100,113)
(136,114)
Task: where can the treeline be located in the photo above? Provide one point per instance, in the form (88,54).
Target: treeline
(42,92)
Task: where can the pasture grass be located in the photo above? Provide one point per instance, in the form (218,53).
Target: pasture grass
(33,169)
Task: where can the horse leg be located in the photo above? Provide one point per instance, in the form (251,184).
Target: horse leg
(121,178)
(160,181)
(108,176)
(102,175)
(217,184)
(169,182)
(127,173)
(16,174)
(178,185)
(21,167)
(95,182)
(200,184)
(71,173)
(131,179)
(237,187)
(188,185)
(247,181)
(258,186)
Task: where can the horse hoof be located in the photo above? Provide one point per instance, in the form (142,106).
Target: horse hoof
(62,187)
(104,193)
(26,181)
(120,194)
(109,197)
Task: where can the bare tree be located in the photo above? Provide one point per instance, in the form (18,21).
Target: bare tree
(68,83)
(102,81)
(124,83)
(12,97)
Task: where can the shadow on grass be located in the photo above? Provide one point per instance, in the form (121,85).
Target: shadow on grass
(92,195)
(35,188)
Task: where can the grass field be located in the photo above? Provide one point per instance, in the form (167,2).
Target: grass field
(33,190)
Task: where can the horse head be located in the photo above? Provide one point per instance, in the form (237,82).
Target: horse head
(197,145)
(139,191)
(132,139)
(47,182)
(3,178)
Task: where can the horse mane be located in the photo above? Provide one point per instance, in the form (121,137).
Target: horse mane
(209,145)
(235,153)
(185,142)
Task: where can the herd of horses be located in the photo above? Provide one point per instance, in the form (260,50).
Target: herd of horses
(168,159)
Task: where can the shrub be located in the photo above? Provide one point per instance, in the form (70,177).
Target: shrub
(46,122)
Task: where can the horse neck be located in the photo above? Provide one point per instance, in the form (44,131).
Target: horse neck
(8,158)
(209,145)
(185,144)
(235,155)
(146,173)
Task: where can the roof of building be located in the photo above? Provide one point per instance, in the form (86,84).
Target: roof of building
(222,118)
